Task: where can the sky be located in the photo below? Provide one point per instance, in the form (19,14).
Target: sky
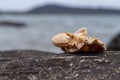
(22,5)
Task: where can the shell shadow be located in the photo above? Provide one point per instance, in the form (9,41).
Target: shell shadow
(81,53)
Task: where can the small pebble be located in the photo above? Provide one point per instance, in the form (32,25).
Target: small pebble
(71,64)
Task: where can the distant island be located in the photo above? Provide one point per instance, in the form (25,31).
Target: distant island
(59,9)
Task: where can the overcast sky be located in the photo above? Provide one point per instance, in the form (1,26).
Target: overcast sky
(22,5)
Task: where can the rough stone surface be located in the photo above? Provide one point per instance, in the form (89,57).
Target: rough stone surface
(37,65)
(114,43)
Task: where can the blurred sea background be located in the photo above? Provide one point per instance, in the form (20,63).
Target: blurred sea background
(40,28)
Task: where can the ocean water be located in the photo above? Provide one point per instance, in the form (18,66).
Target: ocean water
(40,29)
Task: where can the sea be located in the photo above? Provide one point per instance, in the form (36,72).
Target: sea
(40,28)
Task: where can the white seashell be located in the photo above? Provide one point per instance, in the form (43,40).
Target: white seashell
(81,32)
(61,39)
(78,41)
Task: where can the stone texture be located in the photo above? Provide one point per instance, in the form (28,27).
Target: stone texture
(38,65)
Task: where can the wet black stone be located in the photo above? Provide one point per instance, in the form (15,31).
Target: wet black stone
(114,44)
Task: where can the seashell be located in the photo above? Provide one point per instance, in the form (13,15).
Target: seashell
(81,32)
(93,44)
(78,41)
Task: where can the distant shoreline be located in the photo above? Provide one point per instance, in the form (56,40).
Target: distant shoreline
(58,9)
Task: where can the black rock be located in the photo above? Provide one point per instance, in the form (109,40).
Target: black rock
(114,44)
(12,24)
(38,65)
